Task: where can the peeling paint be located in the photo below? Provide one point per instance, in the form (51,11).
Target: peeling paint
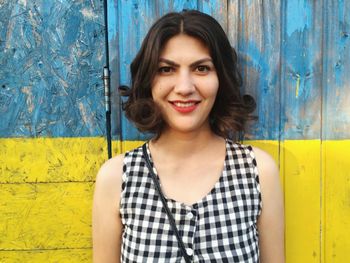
(30,104)
(23,2)
(297,86)
(88,13)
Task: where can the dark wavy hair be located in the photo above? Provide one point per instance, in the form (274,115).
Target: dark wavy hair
(230,110)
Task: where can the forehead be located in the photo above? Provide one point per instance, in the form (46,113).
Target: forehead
(182,45)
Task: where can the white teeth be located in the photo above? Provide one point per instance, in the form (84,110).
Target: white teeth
(184,104)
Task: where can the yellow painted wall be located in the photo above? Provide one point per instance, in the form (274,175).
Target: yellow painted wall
(46,188)
(336,200)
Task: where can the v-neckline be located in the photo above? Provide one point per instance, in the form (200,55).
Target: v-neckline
(204,198)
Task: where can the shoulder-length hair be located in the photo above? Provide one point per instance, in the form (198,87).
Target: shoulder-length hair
(230,110)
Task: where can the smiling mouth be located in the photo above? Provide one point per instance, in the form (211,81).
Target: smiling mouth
(184,106)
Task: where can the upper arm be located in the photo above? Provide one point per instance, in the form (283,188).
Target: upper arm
(271,219)
(106,222)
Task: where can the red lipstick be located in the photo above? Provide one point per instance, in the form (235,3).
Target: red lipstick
(184,106)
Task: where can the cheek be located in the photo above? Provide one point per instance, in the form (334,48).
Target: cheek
(159,90)
(211,87)
(158,94)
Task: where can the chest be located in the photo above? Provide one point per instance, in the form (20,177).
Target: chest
(188,181)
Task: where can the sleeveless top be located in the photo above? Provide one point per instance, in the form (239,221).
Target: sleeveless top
(221,227)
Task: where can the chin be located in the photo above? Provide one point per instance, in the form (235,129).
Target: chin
(189,128)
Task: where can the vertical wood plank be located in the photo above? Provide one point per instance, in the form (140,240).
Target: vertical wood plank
(233,19)
(336,103)
(134,19)
(301,79)
(300,164)
(259,57)
(164,7)
(302,69)
(114,56)
(336,208)
(217,9)
(336,126)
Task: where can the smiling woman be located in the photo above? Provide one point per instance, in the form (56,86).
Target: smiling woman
(223,200)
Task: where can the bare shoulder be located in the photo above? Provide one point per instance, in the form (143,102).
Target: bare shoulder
(111,169)
(109,179)
(266,165)
(269,179)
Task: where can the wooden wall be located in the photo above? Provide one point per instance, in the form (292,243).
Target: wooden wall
(295,59)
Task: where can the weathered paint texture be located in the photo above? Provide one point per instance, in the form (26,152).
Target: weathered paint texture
(294,57)
(51,59)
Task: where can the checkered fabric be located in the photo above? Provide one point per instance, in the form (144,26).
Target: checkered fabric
(219,228)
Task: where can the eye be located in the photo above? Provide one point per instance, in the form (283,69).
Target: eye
(202,68)
(165,70)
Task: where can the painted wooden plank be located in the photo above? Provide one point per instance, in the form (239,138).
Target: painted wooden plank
(336,196)
(114,57)
(163,7)
(217,9)
(301,169)
(258,46)
(45,216)
(301,69)
(130,23)
(47,256)
(233,19)
(336,125)
(301,79)
(51,159)
(336,63)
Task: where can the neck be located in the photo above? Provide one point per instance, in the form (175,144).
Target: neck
(190,142)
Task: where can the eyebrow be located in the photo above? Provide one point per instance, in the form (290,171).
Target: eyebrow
(174,64)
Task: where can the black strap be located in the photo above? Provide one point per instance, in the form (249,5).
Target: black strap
(170,216)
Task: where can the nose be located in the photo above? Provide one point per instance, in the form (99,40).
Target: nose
(184,83)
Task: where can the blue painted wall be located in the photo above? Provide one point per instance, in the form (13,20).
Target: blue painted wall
(294,57)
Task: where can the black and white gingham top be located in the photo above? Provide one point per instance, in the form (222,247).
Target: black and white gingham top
(219,228)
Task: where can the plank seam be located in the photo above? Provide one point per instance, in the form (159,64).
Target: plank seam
(53,182)
(42,249)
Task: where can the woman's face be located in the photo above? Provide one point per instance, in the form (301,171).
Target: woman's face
(186,84)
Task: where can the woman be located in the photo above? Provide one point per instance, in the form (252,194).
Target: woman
(225,198)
